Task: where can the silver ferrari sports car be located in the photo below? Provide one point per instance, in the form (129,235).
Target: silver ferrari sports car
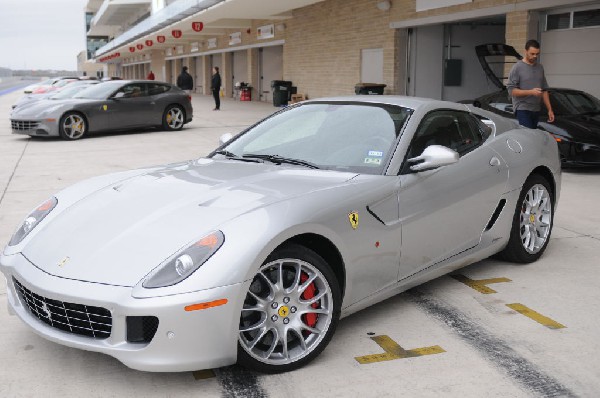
(253,253)
(109,106)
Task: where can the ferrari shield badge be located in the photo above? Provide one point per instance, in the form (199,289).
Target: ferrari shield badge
(104,107)
(353,217)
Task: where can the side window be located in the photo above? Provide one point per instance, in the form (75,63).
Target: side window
(132,91)
(453,129)
(470,134)
(156,88)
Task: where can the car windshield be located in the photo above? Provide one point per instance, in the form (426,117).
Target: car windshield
(99,91)
(69,92)
(343,136)
(46,82)
(574,103)
(63,82)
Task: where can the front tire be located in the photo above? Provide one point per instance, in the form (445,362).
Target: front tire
(290,312)
(532,222)
(72,126)
(173,118)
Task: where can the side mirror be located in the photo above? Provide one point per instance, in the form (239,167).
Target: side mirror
(118,95)
(434,156)
(225,138)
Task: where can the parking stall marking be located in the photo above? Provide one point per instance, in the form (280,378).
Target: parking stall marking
(480,285)
(536,316)
(394,351)
(203,374)
(534,380)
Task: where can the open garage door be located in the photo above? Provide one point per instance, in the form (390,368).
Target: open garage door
(442,59)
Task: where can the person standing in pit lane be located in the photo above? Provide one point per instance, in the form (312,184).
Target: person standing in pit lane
(185,81)
(528,87)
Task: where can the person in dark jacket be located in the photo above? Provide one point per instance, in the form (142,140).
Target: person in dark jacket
(185,80)
(215,87)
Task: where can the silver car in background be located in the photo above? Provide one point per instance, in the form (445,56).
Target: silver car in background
(254,253)
(65,92)
(109,106)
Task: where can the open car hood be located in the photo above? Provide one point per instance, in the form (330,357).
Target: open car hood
(492,58)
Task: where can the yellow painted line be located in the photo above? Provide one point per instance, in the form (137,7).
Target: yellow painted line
(480,285)
(536,316)
(203,374)
(394,351)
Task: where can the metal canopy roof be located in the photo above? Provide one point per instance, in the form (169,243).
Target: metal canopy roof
(216,15)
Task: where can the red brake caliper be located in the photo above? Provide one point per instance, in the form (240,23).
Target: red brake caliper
(309,292)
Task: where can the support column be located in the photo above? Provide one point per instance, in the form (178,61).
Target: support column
(157,63)
(400,58)
(207,74)
(226,73)
(253,72)
(517,33)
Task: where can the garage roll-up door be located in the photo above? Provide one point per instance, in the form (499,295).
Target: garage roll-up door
(571,58)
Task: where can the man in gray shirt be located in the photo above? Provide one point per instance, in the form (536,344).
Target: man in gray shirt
(528,87)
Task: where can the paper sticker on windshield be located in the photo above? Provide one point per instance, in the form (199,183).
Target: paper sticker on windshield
(378,154)
(376,161)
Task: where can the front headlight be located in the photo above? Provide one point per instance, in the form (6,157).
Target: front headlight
(32,220)
(185,262)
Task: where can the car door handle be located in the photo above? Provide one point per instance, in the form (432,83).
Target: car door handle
(495,162)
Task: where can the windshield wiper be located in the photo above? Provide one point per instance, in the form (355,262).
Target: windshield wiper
(280,159)
(233,156)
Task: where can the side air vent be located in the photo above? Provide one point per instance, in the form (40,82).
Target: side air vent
(496,214)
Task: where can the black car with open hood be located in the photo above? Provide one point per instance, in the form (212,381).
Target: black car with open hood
(576,127)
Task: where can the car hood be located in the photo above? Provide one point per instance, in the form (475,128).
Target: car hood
(578,128)
(119,233)
(38,109)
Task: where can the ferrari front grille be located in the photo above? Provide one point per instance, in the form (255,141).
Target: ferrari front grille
(73,318)
(24,125)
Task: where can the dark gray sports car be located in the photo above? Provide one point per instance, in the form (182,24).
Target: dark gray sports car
(114,105)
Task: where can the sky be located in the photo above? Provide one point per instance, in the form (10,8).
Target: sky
(41,34)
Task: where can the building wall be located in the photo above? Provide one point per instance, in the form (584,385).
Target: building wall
(323,46)
(323,42)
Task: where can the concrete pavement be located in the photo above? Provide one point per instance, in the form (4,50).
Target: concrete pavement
(484,347)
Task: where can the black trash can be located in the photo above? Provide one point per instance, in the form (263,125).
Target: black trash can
(281,92)
(369,88)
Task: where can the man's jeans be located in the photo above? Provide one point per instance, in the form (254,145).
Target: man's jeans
(528,118)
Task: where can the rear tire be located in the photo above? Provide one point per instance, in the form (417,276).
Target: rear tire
(290,312)
(532,222)
(173,118)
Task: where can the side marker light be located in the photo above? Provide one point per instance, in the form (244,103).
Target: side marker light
(204,306)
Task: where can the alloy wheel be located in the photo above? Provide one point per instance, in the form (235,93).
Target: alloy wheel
(73,126)
(287,312)
(535,218)
(174,118)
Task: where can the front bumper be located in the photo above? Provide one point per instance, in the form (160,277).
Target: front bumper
(37,127)
(574,154)
(184,340)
